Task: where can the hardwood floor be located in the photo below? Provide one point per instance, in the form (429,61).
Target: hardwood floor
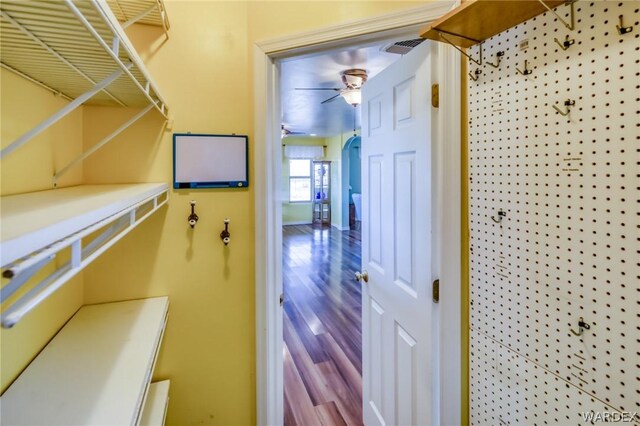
(322,327)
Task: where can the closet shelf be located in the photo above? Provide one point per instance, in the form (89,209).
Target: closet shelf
(148,12)
(84,220)
(155,407)
(477,20)
(95,371)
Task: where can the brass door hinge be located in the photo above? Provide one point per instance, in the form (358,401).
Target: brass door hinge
(435,95)
(435,291)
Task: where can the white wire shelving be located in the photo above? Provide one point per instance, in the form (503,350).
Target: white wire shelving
(79,50)
(68,228)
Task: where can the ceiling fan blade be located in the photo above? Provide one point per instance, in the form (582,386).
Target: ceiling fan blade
(330,99)
(318,88)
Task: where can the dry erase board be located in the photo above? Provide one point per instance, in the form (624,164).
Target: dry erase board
(210,161)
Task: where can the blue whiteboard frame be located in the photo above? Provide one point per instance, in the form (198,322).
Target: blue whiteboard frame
(216,184)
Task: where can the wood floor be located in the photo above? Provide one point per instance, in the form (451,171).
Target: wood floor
(322,327)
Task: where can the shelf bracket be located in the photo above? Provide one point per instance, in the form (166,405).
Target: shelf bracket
(569,25)
(139,16)
(48,48)
(102,143)
(442,36)
(61,113)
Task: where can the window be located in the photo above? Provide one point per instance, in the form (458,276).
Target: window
(299,180)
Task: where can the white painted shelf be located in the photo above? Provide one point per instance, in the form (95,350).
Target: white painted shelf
(155,407)
(95,371)
(38,226)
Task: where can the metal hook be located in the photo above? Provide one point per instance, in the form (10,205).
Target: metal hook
(568,103)
(566,43)
(526,71)
(479,63)
(571,25)
(501,215)
(225,235)
(581,327)
(477,73)
(622,29)
(193,217)
(498,56)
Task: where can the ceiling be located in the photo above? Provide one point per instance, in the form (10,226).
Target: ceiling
(303,111)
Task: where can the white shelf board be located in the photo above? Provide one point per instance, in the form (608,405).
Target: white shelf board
(95,371)
(55,25)
(35,220)
(155,406)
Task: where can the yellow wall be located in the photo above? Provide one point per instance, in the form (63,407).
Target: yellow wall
(204,71)
(30,168)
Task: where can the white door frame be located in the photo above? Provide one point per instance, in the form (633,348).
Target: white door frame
(268,206)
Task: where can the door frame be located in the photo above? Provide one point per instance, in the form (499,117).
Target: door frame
(268,206)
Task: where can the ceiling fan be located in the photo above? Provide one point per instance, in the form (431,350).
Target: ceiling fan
(353,80)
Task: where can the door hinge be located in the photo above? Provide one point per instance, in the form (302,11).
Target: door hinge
(435,95)
(435,291)
(281,299)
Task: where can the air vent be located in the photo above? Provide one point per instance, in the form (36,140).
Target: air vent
(402,47)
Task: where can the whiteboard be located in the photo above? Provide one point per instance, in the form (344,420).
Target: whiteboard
(210,161)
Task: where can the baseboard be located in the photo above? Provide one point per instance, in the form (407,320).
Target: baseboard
(340,228)
(300,222)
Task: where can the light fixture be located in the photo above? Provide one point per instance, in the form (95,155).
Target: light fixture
(352,96)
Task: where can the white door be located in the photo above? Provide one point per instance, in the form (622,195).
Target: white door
(399,347)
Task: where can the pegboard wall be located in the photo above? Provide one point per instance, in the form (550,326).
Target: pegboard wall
(568,244)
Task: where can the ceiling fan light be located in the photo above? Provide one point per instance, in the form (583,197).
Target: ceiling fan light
(352,96)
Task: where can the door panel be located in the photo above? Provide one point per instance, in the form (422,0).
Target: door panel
(398,340)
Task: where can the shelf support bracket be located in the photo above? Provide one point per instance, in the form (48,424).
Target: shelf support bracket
(569,25)
(139,16)
(61,113)
(102,143)
(479,62)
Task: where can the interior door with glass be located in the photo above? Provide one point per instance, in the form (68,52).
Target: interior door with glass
(322,192)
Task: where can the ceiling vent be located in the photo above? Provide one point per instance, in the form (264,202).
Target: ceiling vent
(402,47)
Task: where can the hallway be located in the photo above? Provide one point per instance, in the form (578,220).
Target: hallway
(322,326)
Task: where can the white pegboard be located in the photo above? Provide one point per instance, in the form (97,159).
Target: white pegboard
(568,246)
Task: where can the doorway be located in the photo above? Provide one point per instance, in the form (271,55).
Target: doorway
(268,206)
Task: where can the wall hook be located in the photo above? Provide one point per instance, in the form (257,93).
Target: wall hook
(501,215)
(566,43)
(568,103)
(477,73)
(193,217)
(581,327)
(622,29)
(526,70)
(498,56)
(224,235)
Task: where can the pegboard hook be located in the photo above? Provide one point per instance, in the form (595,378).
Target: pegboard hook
(567,43)
(475,74)
(501,215)
(526,70)
(621,28)
(570,25)
(568,103)
(582,326)
(498,56)
(479,63)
